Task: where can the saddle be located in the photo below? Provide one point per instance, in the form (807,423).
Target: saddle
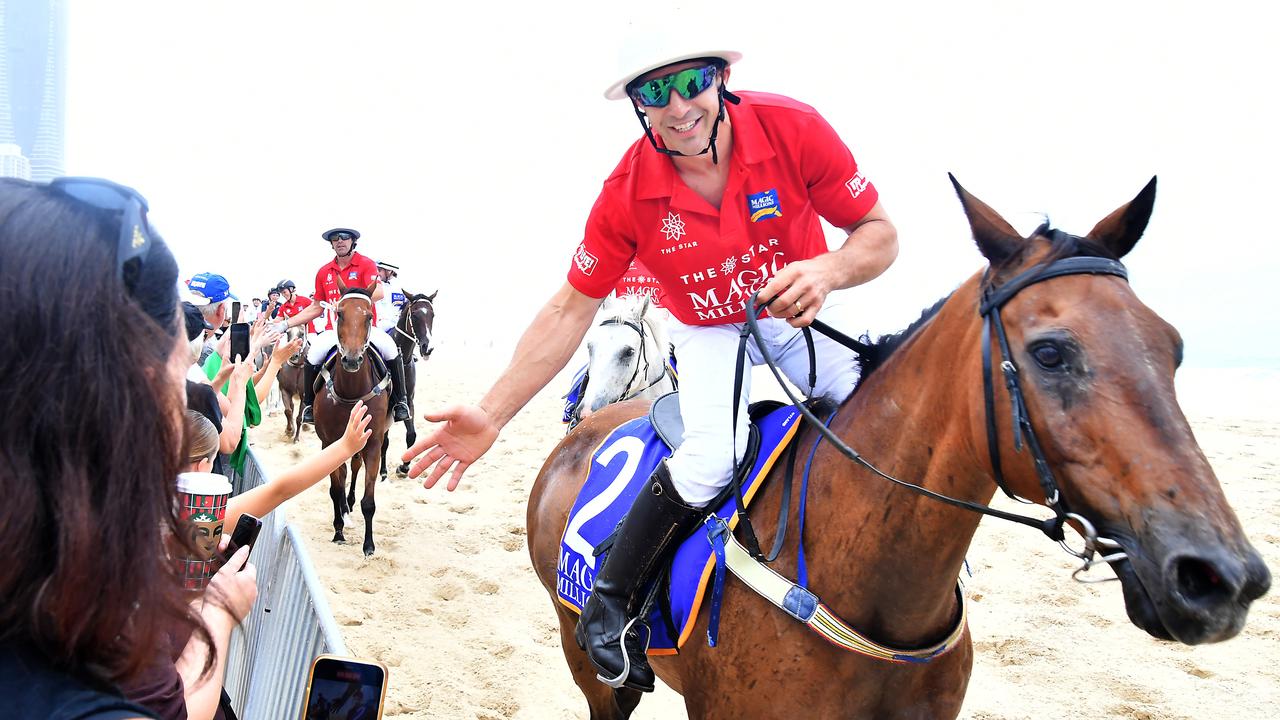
(381,374)
(619,468)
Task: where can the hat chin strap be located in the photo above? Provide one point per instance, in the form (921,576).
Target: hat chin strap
(721,96)
(353,249)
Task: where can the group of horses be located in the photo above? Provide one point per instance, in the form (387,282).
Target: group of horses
(358,374)
(1047,347)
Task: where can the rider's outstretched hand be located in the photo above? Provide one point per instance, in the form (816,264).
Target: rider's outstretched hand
(467,434)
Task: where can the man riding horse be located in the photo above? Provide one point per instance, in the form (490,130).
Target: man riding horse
(392,299)
(353,270)
(721,198)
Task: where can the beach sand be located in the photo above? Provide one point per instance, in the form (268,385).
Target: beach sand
(451,604)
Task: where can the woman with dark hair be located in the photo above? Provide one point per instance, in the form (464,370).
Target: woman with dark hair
(90,445)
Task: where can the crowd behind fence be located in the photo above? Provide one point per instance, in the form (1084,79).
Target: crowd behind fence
(291,623)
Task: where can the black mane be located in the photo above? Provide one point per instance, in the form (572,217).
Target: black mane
(1062,245)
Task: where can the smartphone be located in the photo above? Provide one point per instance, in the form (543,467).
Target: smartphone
(345,689)
(235,311)
(247,528)
(239,341)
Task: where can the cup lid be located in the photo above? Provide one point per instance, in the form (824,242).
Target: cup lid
(200,483)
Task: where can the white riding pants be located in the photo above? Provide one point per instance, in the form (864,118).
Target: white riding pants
(703,464)
(324,342)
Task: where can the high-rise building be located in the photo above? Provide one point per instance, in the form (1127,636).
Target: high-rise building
(33,69)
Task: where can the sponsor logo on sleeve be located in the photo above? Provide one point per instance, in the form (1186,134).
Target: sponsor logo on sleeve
(856,185)
(764,205)
(585,261)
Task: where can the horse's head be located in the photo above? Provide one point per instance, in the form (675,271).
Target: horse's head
(625,348)
(1096,366)
(419,315)
(292,334)
(354,315)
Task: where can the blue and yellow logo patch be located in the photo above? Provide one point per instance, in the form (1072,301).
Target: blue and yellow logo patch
(764,205)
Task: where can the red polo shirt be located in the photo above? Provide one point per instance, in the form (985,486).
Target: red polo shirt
(290,309)
(788,168)
(637,280)
(361,273)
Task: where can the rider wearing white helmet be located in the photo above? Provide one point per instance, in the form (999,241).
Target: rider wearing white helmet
(721,198)
(389,306)
(354,271)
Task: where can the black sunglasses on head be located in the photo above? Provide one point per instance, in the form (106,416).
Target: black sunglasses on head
(135,235)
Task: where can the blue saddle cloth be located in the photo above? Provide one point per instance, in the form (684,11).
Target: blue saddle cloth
(619,468)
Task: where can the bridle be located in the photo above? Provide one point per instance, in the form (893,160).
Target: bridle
(642,358)
(993,299)
(406,318)
(378,387)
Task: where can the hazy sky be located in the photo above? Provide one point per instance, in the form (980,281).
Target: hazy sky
(467,141)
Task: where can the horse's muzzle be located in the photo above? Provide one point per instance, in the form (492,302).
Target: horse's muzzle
(352,364)
(1194,594)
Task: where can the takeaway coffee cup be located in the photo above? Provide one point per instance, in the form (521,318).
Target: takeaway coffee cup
(202,504)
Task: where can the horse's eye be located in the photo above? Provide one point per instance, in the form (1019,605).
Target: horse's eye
(1047,356)
(626,353)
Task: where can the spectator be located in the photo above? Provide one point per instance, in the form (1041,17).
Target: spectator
(215,289)
(87,590)
(251,311)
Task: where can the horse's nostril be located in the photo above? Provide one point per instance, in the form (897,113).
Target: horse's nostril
(1200,583)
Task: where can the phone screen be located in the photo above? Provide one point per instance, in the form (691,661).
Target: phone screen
(345,689)
(239,342)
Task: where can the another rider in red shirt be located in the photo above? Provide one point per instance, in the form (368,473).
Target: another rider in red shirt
(292,303)
(722,198)
(356,271)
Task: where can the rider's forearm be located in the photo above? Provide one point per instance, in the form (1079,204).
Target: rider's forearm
(309,313)
(543,351)
(870,249)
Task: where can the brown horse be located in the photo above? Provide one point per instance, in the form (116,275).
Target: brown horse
(1096,367)
(354,379)
(290,379)
(412,335)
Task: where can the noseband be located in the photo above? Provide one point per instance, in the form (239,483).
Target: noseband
(993,299)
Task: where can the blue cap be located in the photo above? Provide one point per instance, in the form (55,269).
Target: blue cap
(212,286)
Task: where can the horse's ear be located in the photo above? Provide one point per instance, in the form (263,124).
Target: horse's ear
(372,286)
(342,287)
(996,238)
(432,296)
(1119,231)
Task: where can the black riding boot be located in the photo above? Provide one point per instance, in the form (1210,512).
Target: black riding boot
(399,408)
(309,374)
(652,530)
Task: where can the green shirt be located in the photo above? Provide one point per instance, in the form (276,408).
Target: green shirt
(252,412)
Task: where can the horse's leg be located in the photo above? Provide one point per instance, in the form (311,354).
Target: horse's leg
(357,461)
(604,702)
(337,493)
(386,442)
(410,434)
(367,505)
(287,399)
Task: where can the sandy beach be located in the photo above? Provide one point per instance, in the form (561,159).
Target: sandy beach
(451,605)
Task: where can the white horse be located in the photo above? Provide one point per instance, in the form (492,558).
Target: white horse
(628,354)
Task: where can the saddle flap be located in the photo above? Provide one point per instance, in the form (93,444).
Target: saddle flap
(665,416)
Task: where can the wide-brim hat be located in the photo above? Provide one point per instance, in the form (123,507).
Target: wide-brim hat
(384,265)
(355,234)
(642,65)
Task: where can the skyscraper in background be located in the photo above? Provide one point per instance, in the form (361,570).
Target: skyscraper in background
(33,69)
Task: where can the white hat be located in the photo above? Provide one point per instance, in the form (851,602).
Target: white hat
(647,49)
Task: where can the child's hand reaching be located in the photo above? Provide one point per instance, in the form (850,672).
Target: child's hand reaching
(357,429)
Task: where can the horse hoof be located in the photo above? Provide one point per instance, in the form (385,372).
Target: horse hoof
(368,550)
(403,470)
(337,537)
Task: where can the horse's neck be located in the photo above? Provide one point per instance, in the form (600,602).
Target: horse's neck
(894,554)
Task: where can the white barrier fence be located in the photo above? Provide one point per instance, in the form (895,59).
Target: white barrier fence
(271,652)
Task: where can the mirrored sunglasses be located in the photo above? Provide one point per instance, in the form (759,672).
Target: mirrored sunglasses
(690,83)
